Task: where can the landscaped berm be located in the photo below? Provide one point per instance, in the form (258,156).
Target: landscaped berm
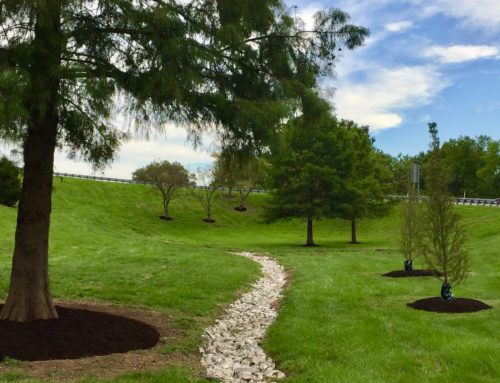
(143,290)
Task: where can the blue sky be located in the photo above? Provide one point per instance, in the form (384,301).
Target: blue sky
(426,60)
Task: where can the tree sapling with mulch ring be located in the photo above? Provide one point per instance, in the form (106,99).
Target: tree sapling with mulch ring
(442,237)
(410,233)
(166,177)
(208,193)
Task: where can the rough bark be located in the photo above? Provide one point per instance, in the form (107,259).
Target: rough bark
(310,239)
(29,295)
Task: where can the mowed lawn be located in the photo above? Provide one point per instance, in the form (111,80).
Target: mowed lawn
(340,320)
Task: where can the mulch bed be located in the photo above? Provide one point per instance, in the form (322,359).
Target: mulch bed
(240,208)
(459,305)
(111,365)
(413,273)
(208,220)
(77,333)
(165,218)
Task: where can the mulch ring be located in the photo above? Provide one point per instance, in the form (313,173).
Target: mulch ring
(413,273)
(166,218)
(89,339)
(459,305)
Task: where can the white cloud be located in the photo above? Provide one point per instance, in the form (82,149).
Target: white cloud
(479,13)
(476,14)
(307,14)
(399,26)
(171,146)
(378,101)
(461,53)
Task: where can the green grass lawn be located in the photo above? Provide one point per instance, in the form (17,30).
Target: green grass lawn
(340,320)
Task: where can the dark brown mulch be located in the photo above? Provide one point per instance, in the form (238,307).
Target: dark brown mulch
(77,333)
(166,218)
(459,305)
(240,208)
(414,273)
(208,220)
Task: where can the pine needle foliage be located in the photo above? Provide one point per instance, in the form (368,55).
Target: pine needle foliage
(306,169)
(366,184)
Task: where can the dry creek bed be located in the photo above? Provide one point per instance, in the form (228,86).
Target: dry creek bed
(231,352)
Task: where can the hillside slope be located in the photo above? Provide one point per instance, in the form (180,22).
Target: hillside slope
(340,320)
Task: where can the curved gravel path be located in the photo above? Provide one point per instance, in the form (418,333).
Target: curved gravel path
(231,352)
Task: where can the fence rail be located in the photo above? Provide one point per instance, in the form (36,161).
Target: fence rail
(461,201)
(458,201)
(126,181)
(478,201)
(97,178)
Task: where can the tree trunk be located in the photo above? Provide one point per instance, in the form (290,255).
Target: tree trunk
(29,295)
(165,207)
(310,240)
(353,230)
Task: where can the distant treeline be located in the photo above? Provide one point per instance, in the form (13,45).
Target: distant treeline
(472,166)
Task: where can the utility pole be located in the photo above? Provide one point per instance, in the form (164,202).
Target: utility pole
(415,178)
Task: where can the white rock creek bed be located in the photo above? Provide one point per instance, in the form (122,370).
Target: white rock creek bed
(231,352)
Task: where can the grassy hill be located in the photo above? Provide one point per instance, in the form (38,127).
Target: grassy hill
(340,320)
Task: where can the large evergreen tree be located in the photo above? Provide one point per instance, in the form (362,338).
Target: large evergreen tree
(368,182)
(227,64)
(306,172)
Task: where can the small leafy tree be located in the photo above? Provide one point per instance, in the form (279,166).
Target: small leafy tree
(10,184)
(208,193)
(167,178)
(228,170)
(252,177)
(240,172)
(410,229)
(443,235)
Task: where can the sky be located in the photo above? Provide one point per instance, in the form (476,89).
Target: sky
(424,61)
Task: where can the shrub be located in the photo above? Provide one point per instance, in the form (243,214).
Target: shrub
(10,183)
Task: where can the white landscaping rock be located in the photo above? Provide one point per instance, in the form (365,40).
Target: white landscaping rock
(231,352)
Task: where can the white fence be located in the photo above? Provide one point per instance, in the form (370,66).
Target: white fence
(125,181)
